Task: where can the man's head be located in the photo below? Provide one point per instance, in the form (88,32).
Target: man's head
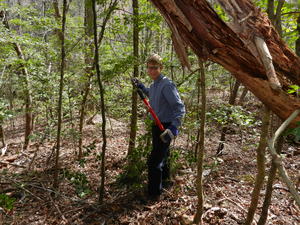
(154,66)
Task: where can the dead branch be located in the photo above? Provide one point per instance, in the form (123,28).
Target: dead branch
(278,159)
(12,164)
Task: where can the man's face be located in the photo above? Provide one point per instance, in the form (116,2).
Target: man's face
(153,70)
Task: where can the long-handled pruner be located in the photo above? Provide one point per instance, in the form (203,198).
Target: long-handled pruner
(167,134)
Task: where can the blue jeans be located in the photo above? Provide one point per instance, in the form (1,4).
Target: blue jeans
(158,165)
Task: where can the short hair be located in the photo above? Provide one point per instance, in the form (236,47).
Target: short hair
(155,59)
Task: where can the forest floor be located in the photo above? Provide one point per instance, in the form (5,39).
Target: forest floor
(228,182)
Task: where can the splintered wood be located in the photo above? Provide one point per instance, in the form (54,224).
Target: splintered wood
(249,47)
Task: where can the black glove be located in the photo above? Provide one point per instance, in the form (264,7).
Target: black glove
(169,134)
(137,83)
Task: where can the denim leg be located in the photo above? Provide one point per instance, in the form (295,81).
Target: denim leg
(166,167)
(158,169)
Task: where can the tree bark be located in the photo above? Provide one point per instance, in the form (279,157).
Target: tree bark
(133,120)
(197,25)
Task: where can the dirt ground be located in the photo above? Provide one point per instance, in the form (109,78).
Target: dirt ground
(228,183)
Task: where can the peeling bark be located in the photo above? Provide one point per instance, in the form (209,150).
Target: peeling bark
(266,59)
(233,48)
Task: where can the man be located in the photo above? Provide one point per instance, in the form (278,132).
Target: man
(165,101)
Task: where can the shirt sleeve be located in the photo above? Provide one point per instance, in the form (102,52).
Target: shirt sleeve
(145,90)
(178,110)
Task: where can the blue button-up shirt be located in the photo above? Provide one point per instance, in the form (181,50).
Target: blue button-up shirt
(165,101)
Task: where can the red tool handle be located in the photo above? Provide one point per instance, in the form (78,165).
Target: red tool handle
(157,121)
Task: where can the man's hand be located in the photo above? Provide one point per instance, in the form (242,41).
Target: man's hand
(174,130)
(137,83)
(169,134)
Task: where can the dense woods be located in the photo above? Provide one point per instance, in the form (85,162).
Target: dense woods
(75,137)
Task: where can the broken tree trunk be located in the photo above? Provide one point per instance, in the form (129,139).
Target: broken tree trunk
(197,25)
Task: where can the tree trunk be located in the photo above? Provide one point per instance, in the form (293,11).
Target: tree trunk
(201,149)
(61,84)
(298,40)
(88,24)
(70,108)
(278,159)
(58,18)
(90,65)
(172,62)
(243,95)
(269,189)
(277,19)
(232,98)
(133,120)
(198,109)
(197,25)
(27,89)
(2,135)
(102,103)
(260,157)
(270,10)
(82,115)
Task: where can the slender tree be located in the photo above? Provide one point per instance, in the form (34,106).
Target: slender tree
(2,135)
(198,86)
(273,169)
(88,24)
(201,147)
(260,157)
(61,85)
(298,40)
(133,119)
(102,103)
(90,65)
(275,14)
(269,189)
(25,81)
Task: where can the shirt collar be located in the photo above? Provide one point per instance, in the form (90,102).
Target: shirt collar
(158,79)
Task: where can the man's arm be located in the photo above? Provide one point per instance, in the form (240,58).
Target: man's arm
(144,89)
(171,94)
(140,85)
